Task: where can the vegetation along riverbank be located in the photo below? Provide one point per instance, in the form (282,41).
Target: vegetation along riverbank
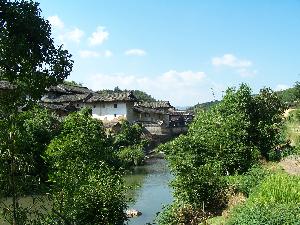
(236,163)
(226,168)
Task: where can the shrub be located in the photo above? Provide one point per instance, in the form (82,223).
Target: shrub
(270,214)
(247,182)
(87,189)
(132,155)
(275,201)
(181,214)
(128,135)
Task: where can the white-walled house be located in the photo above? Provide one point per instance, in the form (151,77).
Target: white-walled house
(113,106)
(105,106)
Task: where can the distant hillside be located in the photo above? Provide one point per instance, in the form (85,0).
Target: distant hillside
(204,106)
(289,95)
(140,95)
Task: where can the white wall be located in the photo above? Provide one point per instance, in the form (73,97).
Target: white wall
(106,111)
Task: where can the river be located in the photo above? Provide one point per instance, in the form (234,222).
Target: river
(152,192)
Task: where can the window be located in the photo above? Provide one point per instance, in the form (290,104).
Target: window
(115,115)
(115,105)
(94,106)
(77,105)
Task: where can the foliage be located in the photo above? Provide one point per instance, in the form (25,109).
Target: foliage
(132,155)
(140,95)
(81,138)
(72,83)
(225,140)
(180,214)
(143,96)
(275,201)
(88,197)
(129,134)
(29,62)
(28,58)
(204,106)
(129,144)
(86,187)
(247,182)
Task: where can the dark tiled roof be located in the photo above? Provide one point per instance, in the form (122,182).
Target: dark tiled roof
(117,96)
(62,107)
(155,105)
(67,89)
(148,110)
(180,113)
(5,85)
(67,98)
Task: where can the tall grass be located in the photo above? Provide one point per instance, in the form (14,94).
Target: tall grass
(275,201)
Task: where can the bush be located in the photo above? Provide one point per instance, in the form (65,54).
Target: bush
(181,214)
(271,214)
(131,156)
(87,189)
(96,199)
(275,201)
(128,135)
(247,182)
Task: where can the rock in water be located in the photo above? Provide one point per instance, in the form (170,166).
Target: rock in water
(132,213)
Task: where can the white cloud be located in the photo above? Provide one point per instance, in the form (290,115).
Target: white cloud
(135,52)
(231,61)
(95,54)
(99,36)
(56,22)
(108,53)
(88,54)
(281,87)
(243,72)
(74,35)
(181,88)
(241,66)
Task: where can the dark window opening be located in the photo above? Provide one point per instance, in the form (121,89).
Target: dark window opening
(115,115)
(115,105)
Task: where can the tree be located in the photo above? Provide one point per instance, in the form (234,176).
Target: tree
(30,62)
(225,140)
(87,189)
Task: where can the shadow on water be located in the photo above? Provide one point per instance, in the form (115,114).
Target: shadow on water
(150,190)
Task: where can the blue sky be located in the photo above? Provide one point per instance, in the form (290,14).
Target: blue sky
(182,51)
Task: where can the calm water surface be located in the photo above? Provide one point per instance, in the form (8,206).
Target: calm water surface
(152,192)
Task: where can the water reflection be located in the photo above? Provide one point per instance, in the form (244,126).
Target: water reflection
(152,190)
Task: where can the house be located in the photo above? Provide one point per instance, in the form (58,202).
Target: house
(64,99)
(153,112)
(111,107)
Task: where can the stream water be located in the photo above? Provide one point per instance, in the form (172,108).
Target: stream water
(152,191)
(149,192)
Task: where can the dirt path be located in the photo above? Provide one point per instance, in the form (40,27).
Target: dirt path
(291,165)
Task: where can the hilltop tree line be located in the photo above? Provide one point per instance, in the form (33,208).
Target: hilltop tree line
(289,96)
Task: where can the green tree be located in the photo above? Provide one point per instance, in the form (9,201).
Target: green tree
(34,131)
(227,139)
(30,62)
(129,134)
(87,189)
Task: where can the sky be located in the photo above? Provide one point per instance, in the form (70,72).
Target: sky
(184,51)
